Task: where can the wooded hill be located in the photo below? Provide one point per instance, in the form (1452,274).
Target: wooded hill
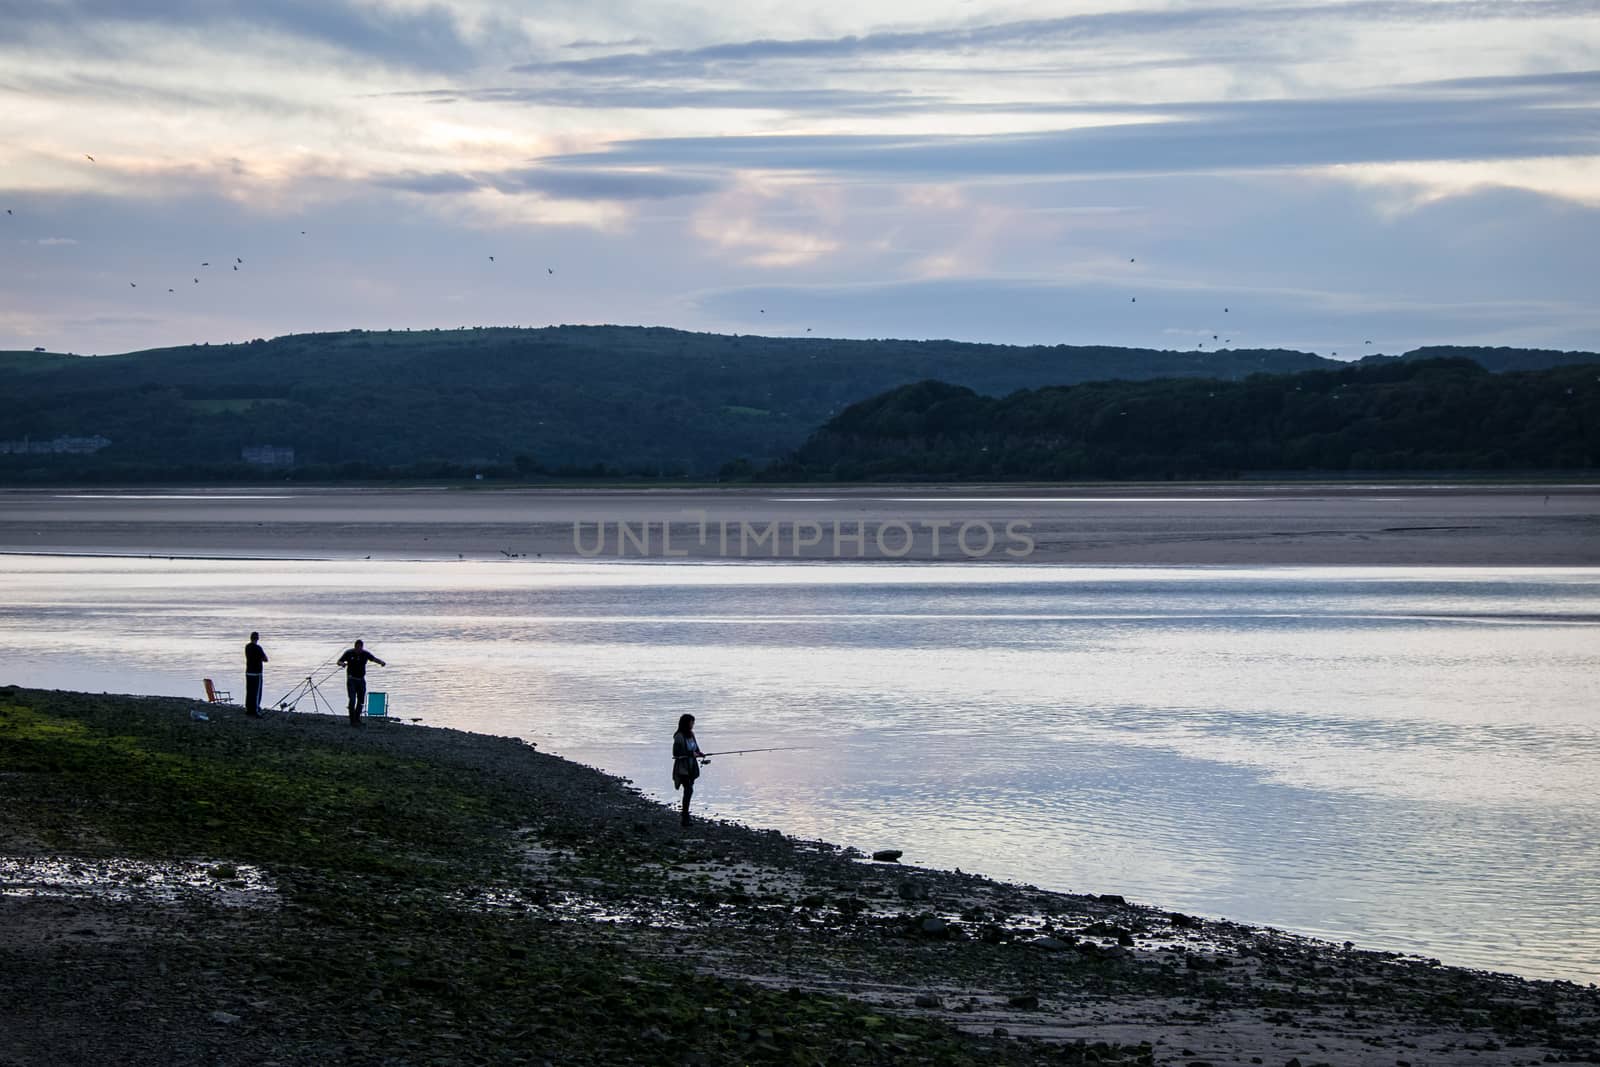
(1393,415)
(571,400)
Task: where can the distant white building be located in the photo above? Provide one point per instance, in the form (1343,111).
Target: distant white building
(268,455)
(56,446)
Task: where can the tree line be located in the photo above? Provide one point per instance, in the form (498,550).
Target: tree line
(1394,416)
(590,402)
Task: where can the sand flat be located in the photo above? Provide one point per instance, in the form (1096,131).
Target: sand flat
(1226,524)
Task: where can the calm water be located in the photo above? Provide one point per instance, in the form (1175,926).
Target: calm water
(1402,757)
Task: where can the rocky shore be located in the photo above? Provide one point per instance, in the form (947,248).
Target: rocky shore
(292,891)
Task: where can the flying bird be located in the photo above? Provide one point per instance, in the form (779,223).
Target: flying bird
(171,290)
(491,259)
(1130,259)
(1133,300)
(88,157)
(549,270)
(236,259)
(197,281)
(236,268)
(133,285)
(8,211)
(1224,311)
(205,264)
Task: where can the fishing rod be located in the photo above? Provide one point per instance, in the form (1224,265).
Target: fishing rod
(743,751)
(308,687)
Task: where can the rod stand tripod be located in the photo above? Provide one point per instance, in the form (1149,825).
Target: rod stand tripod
(310,687)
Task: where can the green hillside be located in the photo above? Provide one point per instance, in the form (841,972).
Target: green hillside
(1395,415)
(509,402)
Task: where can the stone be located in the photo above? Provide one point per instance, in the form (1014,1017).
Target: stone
(227,1018)
(928,1000)
(913,891)
(1049,944)
(934,926)
(888,855)
(1026,1001)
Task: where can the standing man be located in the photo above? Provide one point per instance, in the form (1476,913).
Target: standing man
(254,657)
(354,661)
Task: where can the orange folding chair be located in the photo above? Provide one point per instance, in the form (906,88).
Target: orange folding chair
(215,695)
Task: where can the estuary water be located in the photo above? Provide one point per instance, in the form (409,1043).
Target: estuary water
(1404,757)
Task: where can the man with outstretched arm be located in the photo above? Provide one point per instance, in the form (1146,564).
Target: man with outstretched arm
(254,657)
(354,661)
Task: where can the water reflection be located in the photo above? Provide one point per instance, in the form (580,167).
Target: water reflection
(1403,757)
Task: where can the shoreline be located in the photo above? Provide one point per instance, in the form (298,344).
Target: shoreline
(578,859)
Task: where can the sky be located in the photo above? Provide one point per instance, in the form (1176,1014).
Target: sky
(1335,176)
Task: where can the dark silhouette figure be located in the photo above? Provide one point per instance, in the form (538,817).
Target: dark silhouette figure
(686,760)
(354,661)
(254,657)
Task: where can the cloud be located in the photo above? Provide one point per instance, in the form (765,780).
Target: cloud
(1037,34)
(741,223)
(431,37)
(668,96)
(1404,187)
(621,42)
(559,183)
(603,184)
(1572,86)
(97,88)
(1442,152)
(1410,124)
(429,184)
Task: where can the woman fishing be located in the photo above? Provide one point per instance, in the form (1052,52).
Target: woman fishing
(686,759)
